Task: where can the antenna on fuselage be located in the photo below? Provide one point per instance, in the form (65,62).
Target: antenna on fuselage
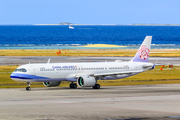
(48,61)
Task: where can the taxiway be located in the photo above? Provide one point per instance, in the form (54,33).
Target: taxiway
(19,60)
(144,102)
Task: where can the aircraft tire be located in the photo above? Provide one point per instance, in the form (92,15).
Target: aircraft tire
(71,86)
(96,86)
(28,88)
(74,86)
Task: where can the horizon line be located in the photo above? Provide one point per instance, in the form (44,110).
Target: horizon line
(134,24)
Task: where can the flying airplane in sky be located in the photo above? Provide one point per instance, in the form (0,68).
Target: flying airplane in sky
(84,74)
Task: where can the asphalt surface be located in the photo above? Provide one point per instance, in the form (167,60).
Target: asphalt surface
(144,102)
(15,60)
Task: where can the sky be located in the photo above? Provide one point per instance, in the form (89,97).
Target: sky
(89,11)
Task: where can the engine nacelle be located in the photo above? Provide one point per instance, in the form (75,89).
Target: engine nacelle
(86,81)
(51,84)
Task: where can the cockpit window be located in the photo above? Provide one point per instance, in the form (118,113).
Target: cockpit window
(21,70)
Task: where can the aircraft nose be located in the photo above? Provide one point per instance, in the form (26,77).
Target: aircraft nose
(14,76)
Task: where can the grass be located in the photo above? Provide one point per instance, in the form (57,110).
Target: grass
(90,52)
(166,76)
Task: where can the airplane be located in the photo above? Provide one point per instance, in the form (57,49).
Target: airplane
(84,74)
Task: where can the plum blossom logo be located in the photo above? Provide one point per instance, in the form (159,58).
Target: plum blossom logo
(144,52)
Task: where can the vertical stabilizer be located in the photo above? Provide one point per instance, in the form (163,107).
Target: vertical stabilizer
(142,54)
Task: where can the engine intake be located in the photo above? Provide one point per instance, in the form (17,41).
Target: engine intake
(86,81)
(51,84)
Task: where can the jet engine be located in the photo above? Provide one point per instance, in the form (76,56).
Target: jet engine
(86,81)
(51,84)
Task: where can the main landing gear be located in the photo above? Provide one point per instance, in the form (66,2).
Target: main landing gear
(73,85)
(96,86)
(28,88)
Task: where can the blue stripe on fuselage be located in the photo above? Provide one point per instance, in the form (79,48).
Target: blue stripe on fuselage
(26,76)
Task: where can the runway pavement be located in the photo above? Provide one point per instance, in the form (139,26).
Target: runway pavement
(145,102)
(15,60)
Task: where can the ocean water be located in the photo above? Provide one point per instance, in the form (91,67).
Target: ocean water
(47,36)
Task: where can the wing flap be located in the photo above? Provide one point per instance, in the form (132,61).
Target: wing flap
(116,73)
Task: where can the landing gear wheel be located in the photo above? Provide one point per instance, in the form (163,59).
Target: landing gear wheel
(73,85)
(96,86)
(28,88)
(70,86)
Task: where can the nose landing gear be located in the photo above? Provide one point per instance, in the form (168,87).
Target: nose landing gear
(28,88)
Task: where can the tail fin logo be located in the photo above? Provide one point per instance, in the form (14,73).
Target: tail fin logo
(143,52)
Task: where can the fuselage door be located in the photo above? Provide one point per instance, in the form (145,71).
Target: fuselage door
(135,66)
(80,69)
(33,70)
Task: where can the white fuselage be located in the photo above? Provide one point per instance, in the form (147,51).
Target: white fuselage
(56,72)
(85,74)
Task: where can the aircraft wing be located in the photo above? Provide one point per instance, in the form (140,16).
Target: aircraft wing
(116,73)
